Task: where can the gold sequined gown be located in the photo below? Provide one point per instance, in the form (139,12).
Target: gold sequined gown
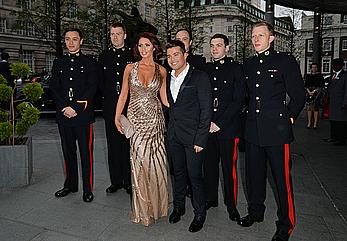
(147,150)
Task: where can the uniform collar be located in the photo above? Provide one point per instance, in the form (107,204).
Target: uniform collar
(267,52)
(122,49)
(75,54)
(222,61)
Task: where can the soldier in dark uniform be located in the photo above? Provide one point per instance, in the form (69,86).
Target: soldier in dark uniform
(270,77)
(112,63)
(185,36)
(73,86)
(227,81)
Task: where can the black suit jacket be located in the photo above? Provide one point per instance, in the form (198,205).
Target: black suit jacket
(190,116)
(338,97)
(198,61)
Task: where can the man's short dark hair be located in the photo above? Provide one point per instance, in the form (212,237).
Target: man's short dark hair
(176,43)
(118,25)
(337,62)
(73,29)
(267,25)
(313,64)
(5,56)
(185,29)
(222,36)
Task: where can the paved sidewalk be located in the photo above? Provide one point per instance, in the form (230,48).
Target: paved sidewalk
(33,213)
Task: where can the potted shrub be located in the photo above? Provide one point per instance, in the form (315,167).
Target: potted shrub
(17,115)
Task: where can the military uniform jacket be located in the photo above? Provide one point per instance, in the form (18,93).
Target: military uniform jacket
(198,61)
(270,76)
(338,97)
(74,83)
(227,82)
(112,63)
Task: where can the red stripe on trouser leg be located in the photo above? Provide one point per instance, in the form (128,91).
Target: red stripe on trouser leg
(288,186)
(90,147)
(234,174)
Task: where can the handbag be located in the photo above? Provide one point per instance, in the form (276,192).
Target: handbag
(127,126)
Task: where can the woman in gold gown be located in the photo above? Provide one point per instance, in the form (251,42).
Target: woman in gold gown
(146,80)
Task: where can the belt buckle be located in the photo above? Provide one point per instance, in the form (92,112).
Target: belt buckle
(215,102)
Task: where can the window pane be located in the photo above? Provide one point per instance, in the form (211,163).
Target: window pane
(309,62)
(49,58)
(147,10)
(310,45)
(326,65)
(327,44)
(28,58)
(3,25)
(328,20)
(344,44)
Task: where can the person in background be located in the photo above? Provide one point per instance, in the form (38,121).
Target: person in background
(185,36)
(338,104)
(5,69)
(313,83)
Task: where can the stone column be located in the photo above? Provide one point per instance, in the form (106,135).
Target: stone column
(317,41)
(269,12)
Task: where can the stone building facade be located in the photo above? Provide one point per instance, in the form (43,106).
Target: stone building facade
(230,17)
(22,43)
(334,41)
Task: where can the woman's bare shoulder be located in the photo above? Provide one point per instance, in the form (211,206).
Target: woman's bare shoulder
(128,67)
(162,70)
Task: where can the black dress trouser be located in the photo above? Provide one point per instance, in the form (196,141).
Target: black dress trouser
(186,163)
(256,170)
(118,151)
(224,150)
(84,137)
(338,130)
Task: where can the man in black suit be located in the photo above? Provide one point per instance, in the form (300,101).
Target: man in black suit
(73,86)
(190,112)
(270,77)
(227,81)
(338,104)
(195,60)
(112,63)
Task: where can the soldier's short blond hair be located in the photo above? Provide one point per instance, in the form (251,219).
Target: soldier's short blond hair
(267,25)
